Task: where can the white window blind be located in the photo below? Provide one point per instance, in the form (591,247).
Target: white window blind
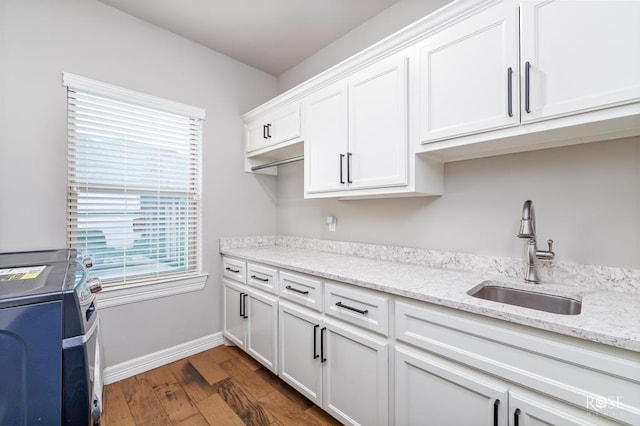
(133,202)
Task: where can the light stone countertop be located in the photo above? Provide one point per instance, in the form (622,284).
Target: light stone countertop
(608,317)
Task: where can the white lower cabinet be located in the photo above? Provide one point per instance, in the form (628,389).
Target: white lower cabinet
(299,350)
(429,392)
(233,321)
(261,312)
(369,358)
(452,367)
(539,410)
(251,322)
(433,391)
(355,376)
(341,369)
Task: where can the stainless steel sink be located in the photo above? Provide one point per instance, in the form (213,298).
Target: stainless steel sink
(527,299)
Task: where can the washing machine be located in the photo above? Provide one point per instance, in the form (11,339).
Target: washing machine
(50,357)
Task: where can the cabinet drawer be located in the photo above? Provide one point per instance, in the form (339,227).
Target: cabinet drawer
(366,308)
(263,278)
(301,289)
(234,269)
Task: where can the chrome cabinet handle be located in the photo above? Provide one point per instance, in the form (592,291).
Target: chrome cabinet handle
(296,290)
(264,280)
(232,270)
(527,72)
(342,305)
(510,92)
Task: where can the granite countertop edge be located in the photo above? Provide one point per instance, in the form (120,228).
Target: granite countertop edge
(607,317)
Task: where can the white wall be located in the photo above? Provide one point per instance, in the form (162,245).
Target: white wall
(586,197)
(387,22)
(39,39)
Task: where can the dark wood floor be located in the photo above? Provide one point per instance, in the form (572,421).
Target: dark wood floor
(221,386)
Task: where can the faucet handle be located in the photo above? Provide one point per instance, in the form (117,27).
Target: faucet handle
(546,254)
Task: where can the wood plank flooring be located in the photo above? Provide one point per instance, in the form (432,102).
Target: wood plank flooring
(221,386)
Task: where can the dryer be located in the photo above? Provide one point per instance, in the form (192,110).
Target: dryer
(50,357)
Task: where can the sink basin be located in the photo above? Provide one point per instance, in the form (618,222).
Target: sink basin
(527,299)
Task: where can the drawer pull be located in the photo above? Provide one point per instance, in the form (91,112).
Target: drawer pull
(264,280)
(235,271)
(296,290)
(341,305)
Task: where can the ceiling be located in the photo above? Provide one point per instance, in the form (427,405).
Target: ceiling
(271,35)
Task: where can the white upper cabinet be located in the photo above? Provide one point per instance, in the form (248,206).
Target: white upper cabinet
(473,79)
(326,139)
(273,128)
(356,131)
(468,75)
(580,56)
(485,74)
(378,125)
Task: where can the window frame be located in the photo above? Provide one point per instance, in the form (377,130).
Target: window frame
(146,286)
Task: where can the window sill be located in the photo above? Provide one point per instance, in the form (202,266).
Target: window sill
(122,295)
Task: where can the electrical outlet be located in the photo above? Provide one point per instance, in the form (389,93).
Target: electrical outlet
(331,221)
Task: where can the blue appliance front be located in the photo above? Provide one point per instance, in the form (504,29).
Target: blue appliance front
(30,361)
(49,341)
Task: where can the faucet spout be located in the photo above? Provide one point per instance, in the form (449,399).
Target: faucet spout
(528,221)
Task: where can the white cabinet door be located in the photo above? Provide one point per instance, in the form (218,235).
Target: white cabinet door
(273,128)
(262,328)
(285,123)
(468,75)
(256,135)
(378,141)
(432,393)
(326,135)
(582,55)
(355,376)
(300,351)
(233,296)
(541,411)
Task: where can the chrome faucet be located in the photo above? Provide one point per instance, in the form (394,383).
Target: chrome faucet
(528,230)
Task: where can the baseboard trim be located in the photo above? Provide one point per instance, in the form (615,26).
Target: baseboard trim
(148,362)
